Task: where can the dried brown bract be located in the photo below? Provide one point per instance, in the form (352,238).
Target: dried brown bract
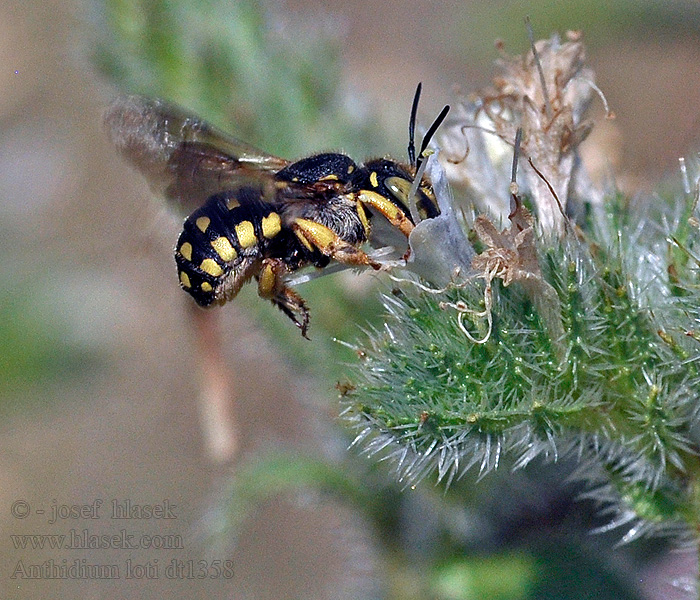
(511,255)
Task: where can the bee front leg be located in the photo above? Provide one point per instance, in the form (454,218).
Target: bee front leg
(388,209)
(271,286)
(315,235)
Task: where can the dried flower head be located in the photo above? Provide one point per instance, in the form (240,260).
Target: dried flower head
(545,92)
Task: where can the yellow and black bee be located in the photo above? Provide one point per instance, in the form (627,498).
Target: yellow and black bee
(256,215)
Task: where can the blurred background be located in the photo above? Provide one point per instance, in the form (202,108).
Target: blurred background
(102,370)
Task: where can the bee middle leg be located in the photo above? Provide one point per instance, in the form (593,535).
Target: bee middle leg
(271,286)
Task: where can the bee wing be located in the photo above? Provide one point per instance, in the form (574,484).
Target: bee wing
(184,159)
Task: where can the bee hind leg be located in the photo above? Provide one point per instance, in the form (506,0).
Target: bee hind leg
(293,305)
(272,287)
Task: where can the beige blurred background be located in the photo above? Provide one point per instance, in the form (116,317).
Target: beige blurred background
(85,249)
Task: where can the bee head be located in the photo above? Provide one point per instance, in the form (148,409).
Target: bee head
(395,181)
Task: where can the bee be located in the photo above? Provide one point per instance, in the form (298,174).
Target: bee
(254,215)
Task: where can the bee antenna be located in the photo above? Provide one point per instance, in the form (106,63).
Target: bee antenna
(431,132)
(412,127)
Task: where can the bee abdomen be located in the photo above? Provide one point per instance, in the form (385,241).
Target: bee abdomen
(219,243)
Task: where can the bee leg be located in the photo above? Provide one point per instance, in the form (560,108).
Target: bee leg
(272,287)
(388,209)
(314,235)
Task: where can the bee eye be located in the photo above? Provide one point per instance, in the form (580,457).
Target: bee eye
(399,187)
(424,200)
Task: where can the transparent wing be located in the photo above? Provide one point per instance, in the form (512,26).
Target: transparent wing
(184,159)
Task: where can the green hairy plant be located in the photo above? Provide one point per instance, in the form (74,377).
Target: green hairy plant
(568,327)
